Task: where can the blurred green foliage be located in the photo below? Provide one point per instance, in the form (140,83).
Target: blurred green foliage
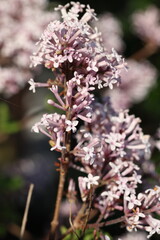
(7,126)
(89,234)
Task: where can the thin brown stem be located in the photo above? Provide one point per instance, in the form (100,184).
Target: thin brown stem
(4,61)
(120,219)
(102,224)
(55,221)
(65,155)
(149,49)
(77,221)
(89,210)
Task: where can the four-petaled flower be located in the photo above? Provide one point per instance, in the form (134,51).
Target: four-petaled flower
(91,180)
(32,85)
(71,125)
(132,201)
(89,153)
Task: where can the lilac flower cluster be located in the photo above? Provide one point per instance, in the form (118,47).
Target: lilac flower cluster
(109,147)
(111,30)
(137,82)
(111,144)
(110,150)
(146,24)
(74,46)
(71,49)
(138,215)
(21,26)
(134,88)
(12,80)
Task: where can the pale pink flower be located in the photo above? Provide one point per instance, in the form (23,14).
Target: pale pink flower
(132,201)
(71,125)
(91,180)
(32,85)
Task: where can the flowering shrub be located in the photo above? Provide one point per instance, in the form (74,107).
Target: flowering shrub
(110,145)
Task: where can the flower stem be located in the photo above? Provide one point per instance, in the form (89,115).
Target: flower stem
(55,221)
(149,49)
(63,172)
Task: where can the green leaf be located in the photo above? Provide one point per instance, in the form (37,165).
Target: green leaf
(63,229)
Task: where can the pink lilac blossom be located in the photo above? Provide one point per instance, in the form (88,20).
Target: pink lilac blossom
(117,162)
(12,79)
(136,83)
(53,126)
(140,217)
(112,157)
(91,180)
(111,31)
(147,24)
(71,49)
(73,43)
(111,145)
(113,134)
(21,24)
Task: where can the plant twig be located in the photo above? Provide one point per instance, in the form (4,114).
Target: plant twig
(70,221)
(65,158)
(89,210)
(149,49)
(111,222)
(55,222)
(25,216)
(120,219)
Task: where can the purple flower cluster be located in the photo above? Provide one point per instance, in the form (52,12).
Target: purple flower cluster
(72,45)
(21,24)
(71,49)
(142,75)
(137,82)
(111,30)
(110,150)
(146,24)
(117,136)
(110,144)
(110,147)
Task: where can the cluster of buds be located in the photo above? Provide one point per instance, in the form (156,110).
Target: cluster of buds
(110,144)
